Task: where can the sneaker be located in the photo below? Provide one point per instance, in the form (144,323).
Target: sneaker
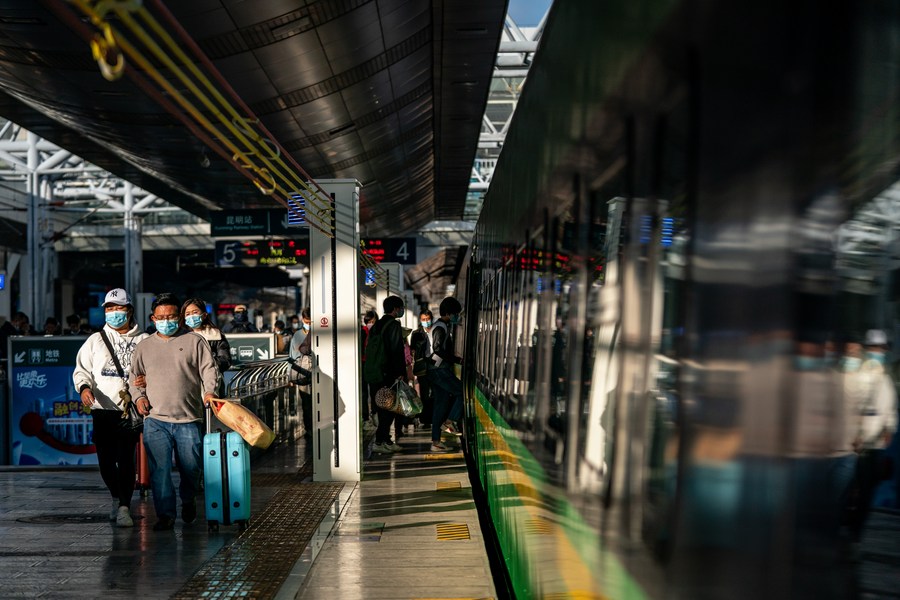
(164,524)
(438,447)
(450,428)
(123,517)
(395,447)
(381,449)
(188,512)
(114,513)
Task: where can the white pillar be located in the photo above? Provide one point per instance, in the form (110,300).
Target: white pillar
(334,311)
(30,292)
(134,256)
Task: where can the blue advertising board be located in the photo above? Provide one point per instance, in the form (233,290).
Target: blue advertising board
(47,422)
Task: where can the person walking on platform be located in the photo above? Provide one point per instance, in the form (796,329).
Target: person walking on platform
(300,350)
(194,316)
(420,343)
(181,376)
(385,363)
(101,382)
(447,388)
(240,322)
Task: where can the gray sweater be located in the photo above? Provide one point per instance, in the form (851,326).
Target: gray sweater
(179,371)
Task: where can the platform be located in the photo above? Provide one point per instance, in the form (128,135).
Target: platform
(408,530)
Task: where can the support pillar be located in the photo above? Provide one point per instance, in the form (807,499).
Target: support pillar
(134,255)
(334,311)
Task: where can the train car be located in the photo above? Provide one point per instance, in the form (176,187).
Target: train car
(692,220)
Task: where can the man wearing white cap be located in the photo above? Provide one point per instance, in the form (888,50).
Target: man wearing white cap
(99,381)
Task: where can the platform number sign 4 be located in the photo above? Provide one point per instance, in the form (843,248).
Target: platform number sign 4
(393,250)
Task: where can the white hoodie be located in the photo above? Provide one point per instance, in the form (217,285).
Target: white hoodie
(94,367)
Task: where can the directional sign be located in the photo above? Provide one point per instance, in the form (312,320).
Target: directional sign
(259,253)
(398,250)
(250,347)
(250,222)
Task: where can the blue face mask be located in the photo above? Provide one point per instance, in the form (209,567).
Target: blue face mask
(306,327)
(117,318)
(193,321)
(167,327)
(876,356)
(454,319)
(426,323)
(808,363)
(851,363)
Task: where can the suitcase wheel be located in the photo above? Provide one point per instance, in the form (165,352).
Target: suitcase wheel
(242,525)
(212,526)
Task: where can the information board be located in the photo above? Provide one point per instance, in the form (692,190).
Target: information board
(262,253)
(254,222)
(48,425)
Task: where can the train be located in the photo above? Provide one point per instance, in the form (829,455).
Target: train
(691,218)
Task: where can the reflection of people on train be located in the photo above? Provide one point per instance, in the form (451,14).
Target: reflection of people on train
(101,384)
(872,401)
(421,349)
(558,359)
(447,388)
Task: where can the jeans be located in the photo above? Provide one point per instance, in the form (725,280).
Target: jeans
(115,453)
(160,439)
(447,390)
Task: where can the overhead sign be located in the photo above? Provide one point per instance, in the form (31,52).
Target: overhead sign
(262,253)
(249,222)
(396,250)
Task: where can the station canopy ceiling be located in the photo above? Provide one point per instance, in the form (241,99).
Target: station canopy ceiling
(389,92)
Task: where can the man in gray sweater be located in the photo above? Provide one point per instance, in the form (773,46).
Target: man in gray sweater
(180,375)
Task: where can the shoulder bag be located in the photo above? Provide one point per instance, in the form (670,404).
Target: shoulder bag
(132,420)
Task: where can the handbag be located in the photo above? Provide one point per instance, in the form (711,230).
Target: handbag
(242,420)
(385,398)
(132,420)
(408,402)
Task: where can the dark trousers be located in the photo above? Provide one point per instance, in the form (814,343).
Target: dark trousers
(115,453)
(385,417)
(364,391)
(306,406)
(427,399)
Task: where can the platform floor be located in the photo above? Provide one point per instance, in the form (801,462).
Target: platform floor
(408,530)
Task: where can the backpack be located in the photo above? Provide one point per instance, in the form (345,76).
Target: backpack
(373,369)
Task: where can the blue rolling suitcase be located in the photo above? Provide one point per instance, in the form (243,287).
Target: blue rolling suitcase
(226,478)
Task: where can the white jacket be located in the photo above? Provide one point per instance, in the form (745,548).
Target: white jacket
(94,367)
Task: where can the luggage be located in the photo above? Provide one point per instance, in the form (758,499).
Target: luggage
(142,469)
(226,478)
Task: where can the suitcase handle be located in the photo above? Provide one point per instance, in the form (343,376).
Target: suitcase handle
(208,418)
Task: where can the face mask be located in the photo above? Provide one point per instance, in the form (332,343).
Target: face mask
(454,319)
(808,363)
(193,321)
(167,327)
(426,323)
(876,356)
(295,325)
(851,363)
(117,318)
(400,314)
(306,327)
(240,317)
